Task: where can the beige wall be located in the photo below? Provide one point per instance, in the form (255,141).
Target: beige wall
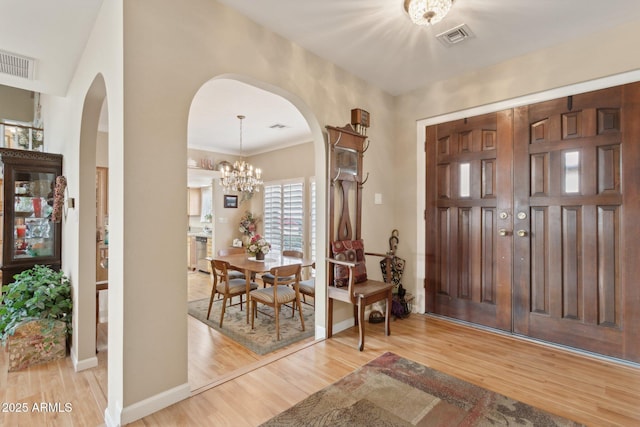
(195,35)
(16,104)
(102,149)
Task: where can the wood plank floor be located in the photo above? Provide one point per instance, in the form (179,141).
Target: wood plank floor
(593,391)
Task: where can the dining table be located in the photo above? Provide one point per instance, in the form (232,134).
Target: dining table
(250,266)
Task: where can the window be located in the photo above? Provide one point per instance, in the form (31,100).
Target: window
(206,208)
(572,172)
(22,137)
(465,180)
(284,215)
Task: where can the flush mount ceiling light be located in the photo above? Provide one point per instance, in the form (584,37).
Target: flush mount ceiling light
(427,12)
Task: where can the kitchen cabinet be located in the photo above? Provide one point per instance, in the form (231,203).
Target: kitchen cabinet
(29,236)
(193,201)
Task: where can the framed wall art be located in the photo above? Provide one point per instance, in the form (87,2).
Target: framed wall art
(230,201)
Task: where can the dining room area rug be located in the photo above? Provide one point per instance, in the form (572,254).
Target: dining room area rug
(262,339)
(394,391)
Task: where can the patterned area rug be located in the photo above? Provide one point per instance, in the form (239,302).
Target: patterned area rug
(262,339)
(393,391)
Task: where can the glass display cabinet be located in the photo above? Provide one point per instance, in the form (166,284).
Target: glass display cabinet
(29,236)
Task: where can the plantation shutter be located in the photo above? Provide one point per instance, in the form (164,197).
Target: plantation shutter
(284,215)
(312,221)
(273,216)
(293,208)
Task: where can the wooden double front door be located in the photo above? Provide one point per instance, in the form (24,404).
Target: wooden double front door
(532,219)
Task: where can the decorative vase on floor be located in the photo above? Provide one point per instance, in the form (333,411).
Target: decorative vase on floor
(36,341)
(260,256)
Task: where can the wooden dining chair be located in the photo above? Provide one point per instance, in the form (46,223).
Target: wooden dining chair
(268,278)
(308,288)
(233,274)
(279,294)
(228,288)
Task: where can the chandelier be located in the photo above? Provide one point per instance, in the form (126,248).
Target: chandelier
(243,177)
(427,12)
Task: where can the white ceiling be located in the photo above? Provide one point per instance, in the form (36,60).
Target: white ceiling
(54,33)
(214,124)
(372,39)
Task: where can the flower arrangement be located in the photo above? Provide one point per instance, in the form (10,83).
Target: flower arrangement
(248,224)
(258,247)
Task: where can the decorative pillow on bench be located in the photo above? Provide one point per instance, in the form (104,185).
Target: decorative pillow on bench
(351,251)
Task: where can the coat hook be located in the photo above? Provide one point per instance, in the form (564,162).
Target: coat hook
(365,180)
(337,140)
(366,148)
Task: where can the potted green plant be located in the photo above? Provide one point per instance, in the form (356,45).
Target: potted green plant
(35,316)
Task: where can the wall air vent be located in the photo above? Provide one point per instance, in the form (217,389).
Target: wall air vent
(455,35)
(17,65)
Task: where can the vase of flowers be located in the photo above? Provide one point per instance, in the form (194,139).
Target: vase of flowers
(248,227)
(258,247)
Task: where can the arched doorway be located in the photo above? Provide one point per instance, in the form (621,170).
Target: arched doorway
(84,319)
(223,99)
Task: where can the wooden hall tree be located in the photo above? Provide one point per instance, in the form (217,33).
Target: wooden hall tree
(348,280)
(531,220)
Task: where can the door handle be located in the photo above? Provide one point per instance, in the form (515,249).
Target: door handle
(502,232)
(522,233)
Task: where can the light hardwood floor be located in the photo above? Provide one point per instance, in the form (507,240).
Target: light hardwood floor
(593,391)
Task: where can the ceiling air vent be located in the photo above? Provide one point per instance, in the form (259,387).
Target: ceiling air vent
(455,35)
(277,126)
(17,65)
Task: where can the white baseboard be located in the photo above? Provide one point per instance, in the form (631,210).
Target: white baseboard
(109,421)
(345,324)
(321,332)
(152,404)
(81,365)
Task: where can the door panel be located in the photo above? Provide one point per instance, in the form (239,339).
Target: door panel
(531,220)
(567,271)
(467,170)
(573,284)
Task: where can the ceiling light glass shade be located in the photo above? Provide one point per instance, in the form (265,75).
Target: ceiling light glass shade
(242,177)
(426,12)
